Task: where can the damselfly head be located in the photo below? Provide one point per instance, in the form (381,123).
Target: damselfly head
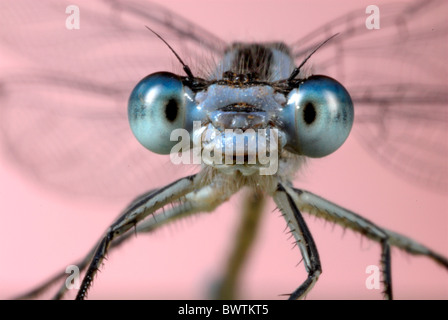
(237,121)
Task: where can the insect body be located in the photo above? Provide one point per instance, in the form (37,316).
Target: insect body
(312,116)
(252,123)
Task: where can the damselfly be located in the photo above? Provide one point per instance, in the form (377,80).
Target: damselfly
(71,66)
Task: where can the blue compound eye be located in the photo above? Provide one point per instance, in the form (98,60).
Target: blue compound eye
(157,107)
(318,117)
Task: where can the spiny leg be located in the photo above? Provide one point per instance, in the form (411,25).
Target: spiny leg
(304,240)
(190,204)
(136,213)
(196,199)
(315,205)
(363,225)
(252,209)
(386,268)
(81,264)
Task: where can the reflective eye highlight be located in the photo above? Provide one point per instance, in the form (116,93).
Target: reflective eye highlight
(156,107)
(318,117)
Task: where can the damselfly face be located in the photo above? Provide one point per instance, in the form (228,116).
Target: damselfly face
(255,116)
(78,141)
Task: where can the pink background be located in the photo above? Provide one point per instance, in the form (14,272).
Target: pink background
(43,231)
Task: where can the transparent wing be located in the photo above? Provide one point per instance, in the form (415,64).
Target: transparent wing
(64,92)
(398,78)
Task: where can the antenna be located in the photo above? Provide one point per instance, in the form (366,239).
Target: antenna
(186,68)
(296,71)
